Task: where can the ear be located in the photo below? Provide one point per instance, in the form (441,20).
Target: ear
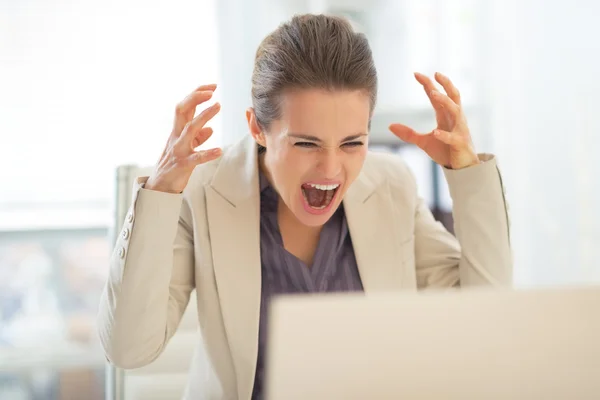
(254,127)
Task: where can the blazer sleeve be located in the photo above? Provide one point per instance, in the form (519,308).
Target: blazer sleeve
(482,253)
(150,280)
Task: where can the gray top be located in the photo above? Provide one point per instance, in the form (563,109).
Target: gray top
(334,266)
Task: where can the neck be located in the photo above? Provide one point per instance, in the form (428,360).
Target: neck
(263,168)
(286,218)
(298,239)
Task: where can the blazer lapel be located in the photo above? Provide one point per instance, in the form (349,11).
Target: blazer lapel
(233,208)
(374,233)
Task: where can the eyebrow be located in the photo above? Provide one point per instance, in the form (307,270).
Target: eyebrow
(316,139)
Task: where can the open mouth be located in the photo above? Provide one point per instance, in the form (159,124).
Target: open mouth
(317,196)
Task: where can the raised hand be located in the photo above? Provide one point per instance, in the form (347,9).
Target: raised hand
(179,158)
(450,143)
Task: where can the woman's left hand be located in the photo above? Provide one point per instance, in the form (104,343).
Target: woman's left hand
(450,144)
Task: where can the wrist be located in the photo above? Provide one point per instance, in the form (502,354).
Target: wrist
(150,185)
(464,160)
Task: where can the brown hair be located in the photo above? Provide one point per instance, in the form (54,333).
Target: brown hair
(310,51)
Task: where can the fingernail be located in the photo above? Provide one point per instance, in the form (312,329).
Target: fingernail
(214,152)
(434,93)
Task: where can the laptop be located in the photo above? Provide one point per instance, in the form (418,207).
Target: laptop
(468,344)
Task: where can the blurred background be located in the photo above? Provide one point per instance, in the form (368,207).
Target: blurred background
(87,86)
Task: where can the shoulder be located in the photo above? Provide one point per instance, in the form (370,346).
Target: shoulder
(389,169)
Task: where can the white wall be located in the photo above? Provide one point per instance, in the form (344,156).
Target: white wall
(242,26)
(544,68)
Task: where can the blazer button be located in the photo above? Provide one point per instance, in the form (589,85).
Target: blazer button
(125,234)
(121,252)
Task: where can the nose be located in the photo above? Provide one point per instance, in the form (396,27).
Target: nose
(330,164)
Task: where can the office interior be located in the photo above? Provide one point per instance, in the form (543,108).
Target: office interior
(87,91)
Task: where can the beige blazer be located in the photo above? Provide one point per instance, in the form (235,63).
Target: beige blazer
(208,239)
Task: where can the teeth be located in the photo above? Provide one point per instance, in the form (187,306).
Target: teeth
(324,187)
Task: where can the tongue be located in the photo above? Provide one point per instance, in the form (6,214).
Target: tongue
(317,198)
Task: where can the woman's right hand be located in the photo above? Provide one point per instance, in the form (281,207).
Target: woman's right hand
(179,157)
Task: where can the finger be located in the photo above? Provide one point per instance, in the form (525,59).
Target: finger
(448,138)
(186,109)
(211,87)
(446,102)
(192,100)
(203,156)
(408,134)
(202,136)
(448,86)
(194,126)
(428,86)
(206,115)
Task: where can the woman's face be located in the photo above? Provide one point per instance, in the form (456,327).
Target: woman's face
(316,150)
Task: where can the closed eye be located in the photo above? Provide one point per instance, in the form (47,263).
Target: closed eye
(305,144)
(313,145)
(353,144)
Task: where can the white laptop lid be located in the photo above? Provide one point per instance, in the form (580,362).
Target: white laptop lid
(539,344)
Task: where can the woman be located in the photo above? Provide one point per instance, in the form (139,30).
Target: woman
(299,206)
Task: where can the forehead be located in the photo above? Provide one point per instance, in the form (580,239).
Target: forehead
(325,113)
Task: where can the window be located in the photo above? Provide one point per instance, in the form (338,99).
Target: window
(86,86)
